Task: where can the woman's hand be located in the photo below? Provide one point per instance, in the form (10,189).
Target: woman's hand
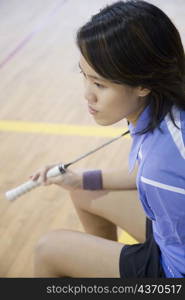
(70,180)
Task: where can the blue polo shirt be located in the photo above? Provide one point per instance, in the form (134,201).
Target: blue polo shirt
(161,185)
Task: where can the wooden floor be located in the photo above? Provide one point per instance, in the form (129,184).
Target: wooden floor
(40,85)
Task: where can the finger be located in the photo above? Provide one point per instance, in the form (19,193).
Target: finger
(42,178)
(39,175)
(35,176)
(55,180)
(43,175)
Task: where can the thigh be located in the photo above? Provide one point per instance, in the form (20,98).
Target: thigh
(123,208)
(78,254)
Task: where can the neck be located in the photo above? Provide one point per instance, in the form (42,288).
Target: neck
(133,118)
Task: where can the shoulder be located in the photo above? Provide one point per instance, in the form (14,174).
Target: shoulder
(170,140)
(166,155)
(176,131)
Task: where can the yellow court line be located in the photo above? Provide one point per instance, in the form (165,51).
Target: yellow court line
(126,238)
(59,129)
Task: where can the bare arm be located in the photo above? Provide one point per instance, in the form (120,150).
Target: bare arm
(112,179)
(119,179)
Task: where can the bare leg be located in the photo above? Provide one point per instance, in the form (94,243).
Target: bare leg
(101,212)
(74,254)
(66,253)
(92,223)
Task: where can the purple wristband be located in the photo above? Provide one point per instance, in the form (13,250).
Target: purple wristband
(92,180)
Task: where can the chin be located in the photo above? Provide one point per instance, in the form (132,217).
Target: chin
(104,122)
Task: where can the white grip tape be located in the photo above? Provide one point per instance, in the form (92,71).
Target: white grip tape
(29,185)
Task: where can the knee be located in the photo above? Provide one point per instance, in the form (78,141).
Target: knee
(85,200)
(50,250)
(43,249)
(48,245)
(78,198)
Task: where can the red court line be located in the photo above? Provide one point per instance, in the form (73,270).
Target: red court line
(37,29)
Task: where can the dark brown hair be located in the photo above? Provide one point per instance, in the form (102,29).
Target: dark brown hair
(135,43)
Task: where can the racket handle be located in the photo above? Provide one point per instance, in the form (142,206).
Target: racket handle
(30,185)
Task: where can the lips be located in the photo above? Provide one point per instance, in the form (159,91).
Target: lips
(92,110)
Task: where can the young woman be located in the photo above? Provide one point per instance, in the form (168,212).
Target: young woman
(133,65)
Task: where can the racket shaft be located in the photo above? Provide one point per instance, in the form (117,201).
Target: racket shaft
(29,185)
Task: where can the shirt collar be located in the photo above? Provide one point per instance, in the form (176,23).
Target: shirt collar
(142,122)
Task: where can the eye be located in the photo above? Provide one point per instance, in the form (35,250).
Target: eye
(99,85)
(81,72)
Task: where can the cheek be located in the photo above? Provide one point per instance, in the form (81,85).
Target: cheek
(113,112)
(120,107)
(117,104)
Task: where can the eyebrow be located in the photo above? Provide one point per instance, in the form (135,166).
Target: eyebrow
(94,77)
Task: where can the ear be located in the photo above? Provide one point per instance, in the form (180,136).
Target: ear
(142,92)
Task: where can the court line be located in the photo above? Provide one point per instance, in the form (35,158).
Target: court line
(59,129)
(64,129)
(35,31)
(126,238)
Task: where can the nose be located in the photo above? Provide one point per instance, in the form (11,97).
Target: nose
(89,94)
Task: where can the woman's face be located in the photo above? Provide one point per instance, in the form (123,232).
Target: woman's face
(109,102)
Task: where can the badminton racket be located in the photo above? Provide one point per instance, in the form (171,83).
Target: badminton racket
(57,170)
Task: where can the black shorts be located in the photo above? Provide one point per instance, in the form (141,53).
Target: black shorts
(141,260)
